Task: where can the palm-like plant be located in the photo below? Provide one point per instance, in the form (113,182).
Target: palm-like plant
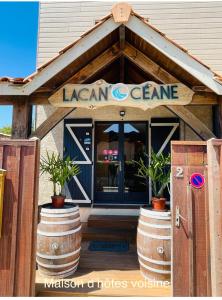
(60,170)
(158,171)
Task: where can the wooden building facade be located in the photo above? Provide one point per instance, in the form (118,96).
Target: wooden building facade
(107,180)
(120,89)
(122,47)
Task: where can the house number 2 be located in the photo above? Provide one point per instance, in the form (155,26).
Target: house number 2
(179,172)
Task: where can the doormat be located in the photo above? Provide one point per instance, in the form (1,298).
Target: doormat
(115,246)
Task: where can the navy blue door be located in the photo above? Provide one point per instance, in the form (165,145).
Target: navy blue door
(78,145)
(117,145)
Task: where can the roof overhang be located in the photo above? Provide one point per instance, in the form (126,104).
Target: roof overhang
(137,25)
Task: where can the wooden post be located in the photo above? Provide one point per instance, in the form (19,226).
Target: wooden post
(217,120)
(22,119)
(214,155)
(2,183)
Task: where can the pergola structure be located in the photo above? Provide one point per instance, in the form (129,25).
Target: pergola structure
(121,47)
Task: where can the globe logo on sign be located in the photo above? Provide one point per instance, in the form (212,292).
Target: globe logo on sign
(119,92)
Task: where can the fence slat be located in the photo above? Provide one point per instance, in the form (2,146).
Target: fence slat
(17,246)
(214,152)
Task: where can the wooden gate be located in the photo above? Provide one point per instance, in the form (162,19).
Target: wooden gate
(214,156)
(20,158)
(190,221)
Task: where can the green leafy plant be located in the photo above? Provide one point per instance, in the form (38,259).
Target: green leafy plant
(6,130)
(60,170)
(158,171)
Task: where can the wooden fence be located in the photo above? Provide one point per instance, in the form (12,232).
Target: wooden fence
(214,156)
(17,245)
(197,218)
(191,250)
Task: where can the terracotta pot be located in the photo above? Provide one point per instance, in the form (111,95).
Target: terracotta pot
(158,203)
(58,201)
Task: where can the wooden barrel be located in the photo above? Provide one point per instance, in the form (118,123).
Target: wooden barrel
(154,244)
(58,240)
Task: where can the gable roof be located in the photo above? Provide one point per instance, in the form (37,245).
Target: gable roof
(136,24)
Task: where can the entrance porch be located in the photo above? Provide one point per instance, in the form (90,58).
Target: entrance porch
(103,137)
(96,276)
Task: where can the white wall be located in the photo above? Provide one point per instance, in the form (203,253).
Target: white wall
(197,26)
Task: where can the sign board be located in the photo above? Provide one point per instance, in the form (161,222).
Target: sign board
(99,94)
(197,180)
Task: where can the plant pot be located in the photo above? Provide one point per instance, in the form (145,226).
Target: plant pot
(158,203)
(58,201)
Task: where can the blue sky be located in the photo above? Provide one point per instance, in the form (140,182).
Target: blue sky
(18,44)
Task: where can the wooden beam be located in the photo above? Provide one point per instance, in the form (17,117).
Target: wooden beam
(204,98)
(214,158)
(58,115)
(122,37)
(122,42)
(147,65)
(217,119)
(22,119)
(192,121)
(84,74)
(107,57)
(174,53)
(96,65)
(199,98)
(80,47)
(201,88)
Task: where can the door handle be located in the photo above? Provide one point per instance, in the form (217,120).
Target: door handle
(178,217)
(120,167)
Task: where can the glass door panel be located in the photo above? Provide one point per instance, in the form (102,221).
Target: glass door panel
(135,147)
(117,145)
(107,160)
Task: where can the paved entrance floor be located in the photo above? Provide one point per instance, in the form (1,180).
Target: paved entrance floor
(103,274)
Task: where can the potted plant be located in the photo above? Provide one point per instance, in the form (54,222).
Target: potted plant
(60,171)
(159,172)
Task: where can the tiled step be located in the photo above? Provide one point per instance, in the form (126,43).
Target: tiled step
(108,234)
(113,222)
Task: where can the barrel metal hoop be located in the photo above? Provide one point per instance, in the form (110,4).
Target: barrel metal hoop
(59,215)
(155,225)
(60,222)
(155,214)
(57,266)
(154,236)
(59,233)
(63,210)
(153,269)
(154,261)
(58,256)
(69,271)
